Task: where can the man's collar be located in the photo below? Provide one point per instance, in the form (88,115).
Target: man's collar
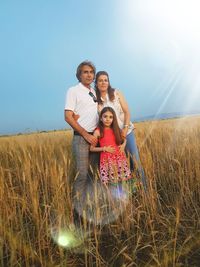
(83,86)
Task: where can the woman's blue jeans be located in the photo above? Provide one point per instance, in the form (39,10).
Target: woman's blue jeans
(131,148)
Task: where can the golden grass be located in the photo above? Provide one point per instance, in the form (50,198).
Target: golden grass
(161,228)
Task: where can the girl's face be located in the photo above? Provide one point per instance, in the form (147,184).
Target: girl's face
(107,119)
(102,83)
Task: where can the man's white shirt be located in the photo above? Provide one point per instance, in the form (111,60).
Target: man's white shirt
(81,103)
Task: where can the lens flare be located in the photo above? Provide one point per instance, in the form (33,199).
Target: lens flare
(120,193)
(69,237)
(65,239)
(102,204)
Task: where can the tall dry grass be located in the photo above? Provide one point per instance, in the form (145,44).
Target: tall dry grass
(158,228)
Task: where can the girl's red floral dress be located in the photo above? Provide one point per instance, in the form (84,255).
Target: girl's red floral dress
(113,166)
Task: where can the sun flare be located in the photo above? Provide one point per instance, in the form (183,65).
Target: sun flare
(169,37)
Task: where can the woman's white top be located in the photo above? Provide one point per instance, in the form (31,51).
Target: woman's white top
(115,104)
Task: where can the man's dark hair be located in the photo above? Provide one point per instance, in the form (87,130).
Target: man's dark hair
(80,66)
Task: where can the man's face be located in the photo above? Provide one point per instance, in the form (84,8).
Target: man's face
(87,75)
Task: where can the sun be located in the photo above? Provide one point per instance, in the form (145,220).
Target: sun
(167,32)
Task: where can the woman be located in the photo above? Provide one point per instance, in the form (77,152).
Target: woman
(108,96)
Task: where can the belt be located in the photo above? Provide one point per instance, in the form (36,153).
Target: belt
(77,133)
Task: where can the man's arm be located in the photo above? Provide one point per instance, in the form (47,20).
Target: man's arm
(69,118)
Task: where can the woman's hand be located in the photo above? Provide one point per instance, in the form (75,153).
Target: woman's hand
(124,132)
(122,147)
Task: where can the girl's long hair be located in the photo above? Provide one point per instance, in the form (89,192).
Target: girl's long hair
(114,125)
(111,91)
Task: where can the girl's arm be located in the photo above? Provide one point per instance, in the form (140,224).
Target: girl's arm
(94,148)
(109,149)
(127,115)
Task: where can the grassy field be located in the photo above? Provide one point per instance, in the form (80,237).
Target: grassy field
(161,228)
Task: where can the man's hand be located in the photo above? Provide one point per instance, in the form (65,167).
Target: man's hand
(91,139)
(71,119)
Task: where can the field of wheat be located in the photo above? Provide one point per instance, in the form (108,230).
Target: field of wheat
(160,227)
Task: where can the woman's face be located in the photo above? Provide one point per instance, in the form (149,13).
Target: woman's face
(102,83)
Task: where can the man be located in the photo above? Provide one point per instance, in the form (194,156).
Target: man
(81,102)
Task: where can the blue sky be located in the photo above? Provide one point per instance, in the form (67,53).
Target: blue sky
(150,48)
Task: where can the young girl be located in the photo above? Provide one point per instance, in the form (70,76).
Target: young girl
(113,163)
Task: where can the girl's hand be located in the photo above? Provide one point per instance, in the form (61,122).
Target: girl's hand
(109,149)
